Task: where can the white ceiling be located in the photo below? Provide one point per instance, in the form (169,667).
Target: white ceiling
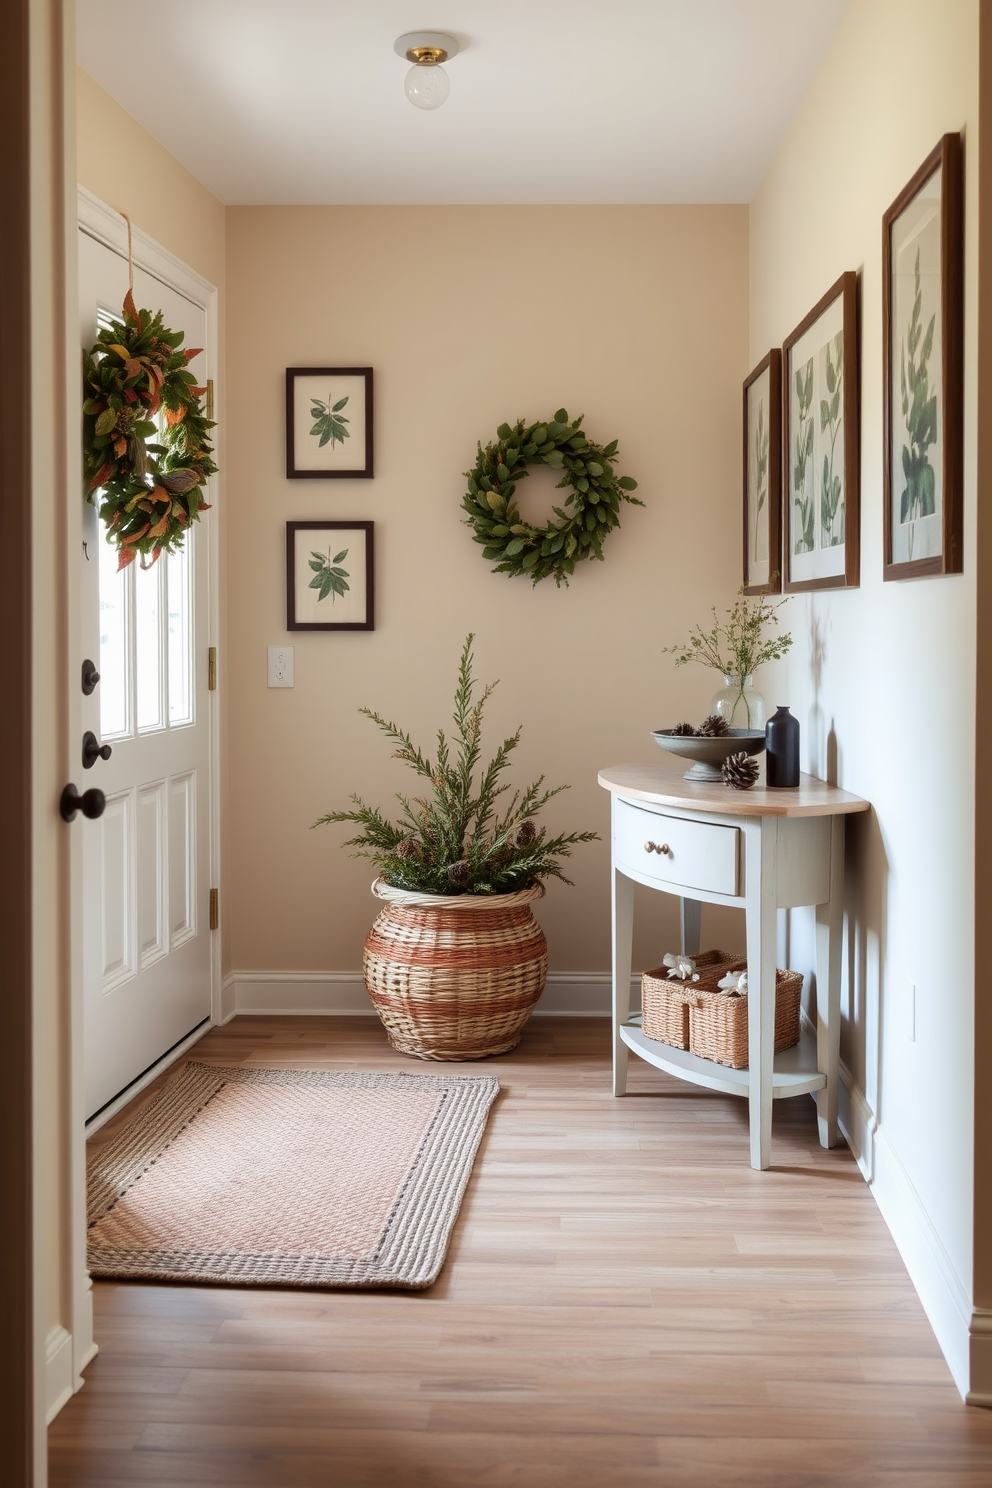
(586,101)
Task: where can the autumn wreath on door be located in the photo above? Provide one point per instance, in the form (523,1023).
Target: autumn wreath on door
(146,448)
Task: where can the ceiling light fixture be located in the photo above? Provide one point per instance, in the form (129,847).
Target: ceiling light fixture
(427,84)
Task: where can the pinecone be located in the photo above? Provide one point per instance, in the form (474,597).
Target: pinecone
(714,727)
(458,873)
(526,834)
(739,770)
(406,849)
(683,731)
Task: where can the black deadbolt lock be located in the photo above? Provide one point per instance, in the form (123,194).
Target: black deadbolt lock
(90,677)
(92,750)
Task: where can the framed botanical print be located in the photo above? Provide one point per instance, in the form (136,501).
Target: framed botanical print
(763,477)
(329,576)
(329,423)
(822,527)
(923,368)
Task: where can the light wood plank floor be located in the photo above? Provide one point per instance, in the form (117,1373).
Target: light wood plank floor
(624,1303)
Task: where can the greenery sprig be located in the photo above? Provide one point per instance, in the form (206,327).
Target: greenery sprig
(738,645)
(136,386)
(454,840)
(595,494)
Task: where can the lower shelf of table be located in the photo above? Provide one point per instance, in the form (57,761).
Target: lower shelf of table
(795,1071)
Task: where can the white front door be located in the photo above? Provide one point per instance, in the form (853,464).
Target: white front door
(146,872)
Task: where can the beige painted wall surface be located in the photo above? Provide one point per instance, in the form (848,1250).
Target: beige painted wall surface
(635,317)
(896,656)
(126,167)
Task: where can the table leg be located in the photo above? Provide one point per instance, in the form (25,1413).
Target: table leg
(829,935)
(689,918)
(761,850)
(623,929)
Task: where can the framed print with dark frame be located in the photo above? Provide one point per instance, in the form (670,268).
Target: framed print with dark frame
(923,369)
(763,477)
(329,423)
(822,525)
(330,576)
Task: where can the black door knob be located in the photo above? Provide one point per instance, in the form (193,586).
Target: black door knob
(90,677)
(91,803)
(92,750)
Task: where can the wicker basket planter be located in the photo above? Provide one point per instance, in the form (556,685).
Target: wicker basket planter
(455,978)
(718,1022)
(665,1001)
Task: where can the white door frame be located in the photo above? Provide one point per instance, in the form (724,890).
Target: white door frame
(108,227)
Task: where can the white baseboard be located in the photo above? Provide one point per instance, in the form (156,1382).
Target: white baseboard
(59,1376)
(945,1299)
(342,993)
(857,1122)
(938,1286)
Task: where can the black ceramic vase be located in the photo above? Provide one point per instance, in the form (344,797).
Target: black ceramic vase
(782,749)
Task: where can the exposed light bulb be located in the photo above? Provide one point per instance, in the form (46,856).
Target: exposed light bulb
(427,86)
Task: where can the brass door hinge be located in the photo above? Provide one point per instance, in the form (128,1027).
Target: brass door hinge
(215,909)
(210,399)
(211,668)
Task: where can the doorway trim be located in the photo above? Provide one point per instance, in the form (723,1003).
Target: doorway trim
(106,226)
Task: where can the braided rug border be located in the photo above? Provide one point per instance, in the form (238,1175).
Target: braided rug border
(414,1241)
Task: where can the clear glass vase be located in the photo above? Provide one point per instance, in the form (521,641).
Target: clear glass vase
(740,703)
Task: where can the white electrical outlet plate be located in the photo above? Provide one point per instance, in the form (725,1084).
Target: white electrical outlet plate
(280,666)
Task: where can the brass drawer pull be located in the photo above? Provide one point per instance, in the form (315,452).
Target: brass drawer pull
(659,847)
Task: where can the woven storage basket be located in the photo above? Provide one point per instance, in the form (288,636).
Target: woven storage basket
(718,1023)
(665,1001)
(455,978)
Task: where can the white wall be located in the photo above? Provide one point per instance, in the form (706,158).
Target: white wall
(895,703)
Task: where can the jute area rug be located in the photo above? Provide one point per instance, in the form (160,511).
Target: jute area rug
(305,1178)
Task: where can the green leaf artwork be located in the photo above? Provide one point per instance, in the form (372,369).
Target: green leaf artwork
(919,409)
(761,456)
(329,423)
(328,577)
(831,419)
(803,469)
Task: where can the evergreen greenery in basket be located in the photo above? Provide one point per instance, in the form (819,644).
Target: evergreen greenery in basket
(456,839)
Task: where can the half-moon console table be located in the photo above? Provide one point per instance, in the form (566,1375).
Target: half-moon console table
(762,850)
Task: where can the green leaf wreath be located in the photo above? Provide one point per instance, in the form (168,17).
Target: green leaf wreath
(137,386)
(594,498)
(454,840)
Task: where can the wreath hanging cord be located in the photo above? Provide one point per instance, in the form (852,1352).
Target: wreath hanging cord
(149,493)
(595,494)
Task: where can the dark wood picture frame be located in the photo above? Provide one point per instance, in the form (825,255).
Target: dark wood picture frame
(948,159)
(301,605)
(801,577)
(772,517)
(304,462)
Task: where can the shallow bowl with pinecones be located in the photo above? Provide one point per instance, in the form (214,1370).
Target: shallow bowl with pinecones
(708,745)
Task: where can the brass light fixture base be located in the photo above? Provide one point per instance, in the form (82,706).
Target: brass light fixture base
(426,48)
(427,56)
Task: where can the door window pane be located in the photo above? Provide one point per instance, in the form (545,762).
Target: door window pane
(178,575)
(113,668)
(148,648)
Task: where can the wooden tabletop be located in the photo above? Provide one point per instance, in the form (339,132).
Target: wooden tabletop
(662,785)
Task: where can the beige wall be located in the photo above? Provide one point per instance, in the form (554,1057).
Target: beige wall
(120,162)
(897,687)
(636,317)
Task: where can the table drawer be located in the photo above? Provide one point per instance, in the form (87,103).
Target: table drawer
(693,854)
